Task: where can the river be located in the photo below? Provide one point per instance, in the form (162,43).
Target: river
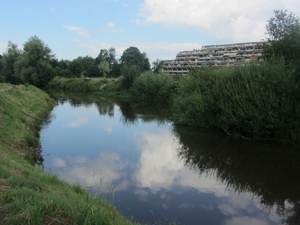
(157,173)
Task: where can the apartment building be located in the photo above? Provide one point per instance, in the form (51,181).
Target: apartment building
(215,55)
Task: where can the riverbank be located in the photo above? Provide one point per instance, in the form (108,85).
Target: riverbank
(27,194)
(255,101)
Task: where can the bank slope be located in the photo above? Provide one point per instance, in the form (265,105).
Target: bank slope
(27,194)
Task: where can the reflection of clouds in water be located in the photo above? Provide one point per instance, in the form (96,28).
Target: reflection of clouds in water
(159,166)
(98,173)
(77,123)
(60,163)
(186,205)
(233,206)
(143,195)
(108,129)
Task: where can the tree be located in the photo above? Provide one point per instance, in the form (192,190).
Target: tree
(104,68)
(33,66)
(133,56)
(106,55)
(157,65)
(282,24)
(76,67)
(284,32)
(110,57)
(8,60)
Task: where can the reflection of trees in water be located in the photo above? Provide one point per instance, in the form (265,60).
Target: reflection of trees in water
(145,111)
(131,111)
(261,168)
(105,106)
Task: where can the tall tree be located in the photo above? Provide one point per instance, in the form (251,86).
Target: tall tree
(284,32)
(282,24)
(33,66)
(106,55)
(76,67)
(133,56)
(110,57)
(8,60)
(104,68)
(157,65)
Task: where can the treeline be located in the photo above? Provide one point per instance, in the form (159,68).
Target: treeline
(36,64)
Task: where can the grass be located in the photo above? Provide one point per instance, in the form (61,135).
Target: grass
(85,85)
(27,194)
(255,101)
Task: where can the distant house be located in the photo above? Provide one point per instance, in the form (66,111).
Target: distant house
(215,55)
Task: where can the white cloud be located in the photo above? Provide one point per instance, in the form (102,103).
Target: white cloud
(110,25)
(80,31)
(227,21)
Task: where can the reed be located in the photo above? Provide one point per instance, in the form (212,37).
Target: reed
(254,101)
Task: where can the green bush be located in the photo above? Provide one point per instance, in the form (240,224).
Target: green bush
(128,74)
(251,101)
(151,86)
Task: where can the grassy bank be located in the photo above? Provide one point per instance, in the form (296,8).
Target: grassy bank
(28,195)
(108,87)
(133,84)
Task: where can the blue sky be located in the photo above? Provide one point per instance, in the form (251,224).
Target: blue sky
(161,28)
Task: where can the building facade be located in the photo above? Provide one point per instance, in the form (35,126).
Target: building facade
(215,55)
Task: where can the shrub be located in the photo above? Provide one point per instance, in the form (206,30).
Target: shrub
(151,86)
(252,101)
(128,74)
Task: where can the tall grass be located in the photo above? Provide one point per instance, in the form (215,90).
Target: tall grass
(82,85)
(128,74)
(151,86)
(252,101)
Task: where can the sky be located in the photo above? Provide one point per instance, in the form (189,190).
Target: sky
(161,28)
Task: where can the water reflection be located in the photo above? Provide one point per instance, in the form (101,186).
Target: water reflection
(161,173)
(264,169)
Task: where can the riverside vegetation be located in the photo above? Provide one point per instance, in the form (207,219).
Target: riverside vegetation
(258,100)
(27,194)
(253,101)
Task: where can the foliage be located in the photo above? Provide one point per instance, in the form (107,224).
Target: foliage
(284,32)
(282,24)
(133,56)
(128,74)
(104,68)
(157,66)
(106,55)
(33,66)
(8,60)
(251,101)
(84,85)
(151,86)
(76,67)
(110,57)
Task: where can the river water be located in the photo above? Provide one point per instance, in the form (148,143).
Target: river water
(157,173)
